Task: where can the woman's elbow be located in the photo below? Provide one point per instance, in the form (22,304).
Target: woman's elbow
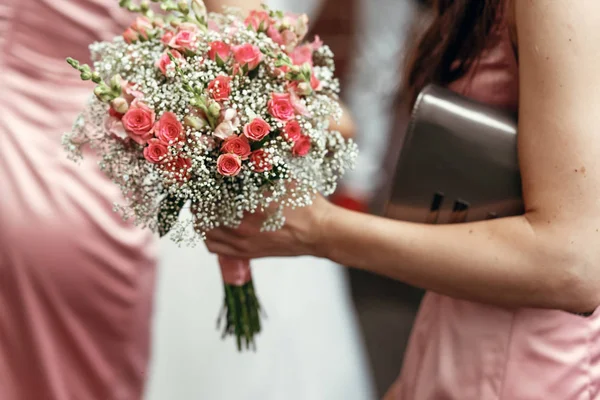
(575,280)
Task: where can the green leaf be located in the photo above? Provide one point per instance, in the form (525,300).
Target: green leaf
(168,213)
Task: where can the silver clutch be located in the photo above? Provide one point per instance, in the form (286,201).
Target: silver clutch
(458,162)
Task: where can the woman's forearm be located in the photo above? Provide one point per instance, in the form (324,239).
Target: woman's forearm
(503,262)
(246,5)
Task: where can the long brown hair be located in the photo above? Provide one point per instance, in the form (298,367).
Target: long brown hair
(456,37)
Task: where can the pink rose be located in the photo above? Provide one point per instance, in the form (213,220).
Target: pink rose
(156,151)
(228,114)
(297,104)
(138,122)
(179,168)
(258,20)
(213,26)
(220,49)
(237,145)
(257,129)
(274,34)
(224,130)
(115,128)
(166,38)
(247,55)
(208,142)
(220,88)
(130,36)
(317,43)
(302,54)
(114,113)
(290,40)
(165,61)
(280,106)
(292,130)
(129,93)
(142,25)
(302,146)
(260,160)
(184,39)
(229,164)
(168,129)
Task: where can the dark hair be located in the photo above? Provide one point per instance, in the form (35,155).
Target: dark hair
(457,35)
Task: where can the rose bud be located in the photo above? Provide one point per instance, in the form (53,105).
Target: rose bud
(304,89)
(130,36)
(214,109)
(120,105)
(199,10)
(194,122)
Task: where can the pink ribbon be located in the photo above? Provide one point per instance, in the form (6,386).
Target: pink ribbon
(235,271)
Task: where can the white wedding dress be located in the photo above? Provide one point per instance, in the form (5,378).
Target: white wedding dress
(310,347)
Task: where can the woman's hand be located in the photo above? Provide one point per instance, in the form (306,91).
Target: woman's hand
(300,236)
(346,124)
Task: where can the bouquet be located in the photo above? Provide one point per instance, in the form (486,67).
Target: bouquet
(202,118)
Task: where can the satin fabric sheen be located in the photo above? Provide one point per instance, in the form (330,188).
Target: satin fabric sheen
(76,282)
(460,350)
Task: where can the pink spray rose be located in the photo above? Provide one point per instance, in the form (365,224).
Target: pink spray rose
(317,43)
(129,93)
(290,40)
(302,54)
(168,129)
(237,145)
(260,160)
(218,48)
(130,36)
(297,104)
(274,34)
(138,122)
(224,130)
(142,25)
(302,146)
(292,130)
(229,164)
(257,129)
(115,128)
(165,61)
(180,168)
(220,88)
(258,20)
(166,38)
(156,151)
(185,38)
(247,55)
(280,106)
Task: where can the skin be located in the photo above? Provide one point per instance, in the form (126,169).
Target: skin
(550,256)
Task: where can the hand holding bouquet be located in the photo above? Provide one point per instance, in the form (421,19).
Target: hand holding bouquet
(216,114)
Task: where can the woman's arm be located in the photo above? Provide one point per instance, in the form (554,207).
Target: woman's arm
(246,5)
(550,257)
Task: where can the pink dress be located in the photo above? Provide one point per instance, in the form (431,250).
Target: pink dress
(460,350)
(76,282)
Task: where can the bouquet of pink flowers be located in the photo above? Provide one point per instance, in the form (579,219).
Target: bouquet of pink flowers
(201,118)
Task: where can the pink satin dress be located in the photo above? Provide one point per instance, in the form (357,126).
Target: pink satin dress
(76,282)
(460,350)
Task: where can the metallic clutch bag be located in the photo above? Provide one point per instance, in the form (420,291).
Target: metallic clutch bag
(458,162)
